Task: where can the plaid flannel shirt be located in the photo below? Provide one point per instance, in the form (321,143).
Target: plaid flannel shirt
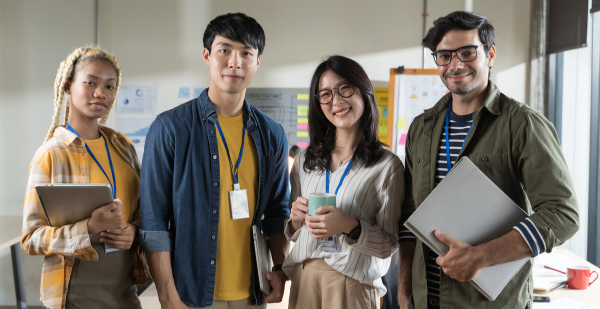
(64,159)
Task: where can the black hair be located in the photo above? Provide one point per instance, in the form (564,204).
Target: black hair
(460,20)
(294,150)
(322,132)
(238,27)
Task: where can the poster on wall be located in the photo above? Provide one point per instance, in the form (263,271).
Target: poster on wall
(136,110)
(137,100)
(136,129)
(288,107)
(414,94)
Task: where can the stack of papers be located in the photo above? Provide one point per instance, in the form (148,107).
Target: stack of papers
(564,303)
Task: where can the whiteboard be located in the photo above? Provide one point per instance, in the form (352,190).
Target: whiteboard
(413,95)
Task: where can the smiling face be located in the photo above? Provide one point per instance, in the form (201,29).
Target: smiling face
(232,64)
(344,113)
(92,91)
(464,77)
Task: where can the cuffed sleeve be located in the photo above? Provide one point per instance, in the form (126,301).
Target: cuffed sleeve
(287,231)
(532,236)
(156,241)
(277,210)
(405,235)
(547,182)
(156,191)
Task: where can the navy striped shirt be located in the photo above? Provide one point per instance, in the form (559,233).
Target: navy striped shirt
(459,128)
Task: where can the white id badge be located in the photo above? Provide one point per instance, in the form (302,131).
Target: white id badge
(239,203)
(110,249)
(331,244)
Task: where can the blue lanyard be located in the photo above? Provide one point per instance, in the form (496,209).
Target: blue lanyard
(448,160)
(237,169)
(114,182)
(341,181)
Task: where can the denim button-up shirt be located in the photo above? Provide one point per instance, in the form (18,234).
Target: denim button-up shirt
(180,192)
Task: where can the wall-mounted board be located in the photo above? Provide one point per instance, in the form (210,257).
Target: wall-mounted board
(412,92)
(288,107)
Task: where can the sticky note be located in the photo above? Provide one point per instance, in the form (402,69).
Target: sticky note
(184,92)
(302,134)
(403,139)
(302,110)
(197,92)
(302,126)
(302,144)
(382,128)
(401,123)
(302,96)
(302,120)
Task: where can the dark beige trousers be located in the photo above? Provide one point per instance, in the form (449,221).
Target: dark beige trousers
(316,285)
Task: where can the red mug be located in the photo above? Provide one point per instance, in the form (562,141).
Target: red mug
(578,277)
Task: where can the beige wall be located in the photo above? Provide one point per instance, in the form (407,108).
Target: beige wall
(160,43)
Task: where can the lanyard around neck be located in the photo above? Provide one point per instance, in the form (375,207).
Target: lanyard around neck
(446,128)
(341,181)
(114,182)
(237,169)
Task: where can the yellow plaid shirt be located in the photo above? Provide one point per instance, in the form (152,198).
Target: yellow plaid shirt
(64,159)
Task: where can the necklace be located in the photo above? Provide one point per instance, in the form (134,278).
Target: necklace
(340,161)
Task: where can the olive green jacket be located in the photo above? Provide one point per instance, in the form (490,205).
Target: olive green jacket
(518,149)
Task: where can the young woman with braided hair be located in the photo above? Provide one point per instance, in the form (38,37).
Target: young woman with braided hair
(76,271)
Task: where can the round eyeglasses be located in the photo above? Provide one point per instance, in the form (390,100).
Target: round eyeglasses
(464,54)
(325,96)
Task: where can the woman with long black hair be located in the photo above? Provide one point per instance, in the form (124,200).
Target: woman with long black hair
(341,253)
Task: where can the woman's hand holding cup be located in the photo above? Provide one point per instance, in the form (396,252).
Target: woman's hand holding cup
(298,213)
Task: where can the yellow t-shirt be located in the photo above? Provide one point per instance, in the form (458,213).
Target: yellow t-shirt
(128,182)
(234,265)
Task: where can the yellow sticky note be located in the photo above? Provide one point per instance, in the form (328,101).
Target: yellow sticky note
(302,110)
(302,120)
(401,123)
(302,134)
(302,96)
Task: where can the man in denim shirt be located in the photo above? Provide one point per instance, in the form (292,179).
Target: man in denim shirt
(196,227)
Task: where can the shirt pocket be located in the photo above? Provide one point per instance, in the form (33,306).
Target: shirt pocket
(493,165)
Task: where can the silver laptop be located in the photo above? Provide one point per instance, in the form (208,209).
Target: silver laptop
(70,203)
(263,259)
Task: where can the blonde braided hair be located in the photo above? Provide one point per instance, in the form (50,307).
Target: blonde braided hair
(66,73)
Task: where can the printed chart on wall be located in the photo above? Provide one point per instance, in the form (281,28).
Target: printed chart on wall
(288,107)
(136,110)
(413,94)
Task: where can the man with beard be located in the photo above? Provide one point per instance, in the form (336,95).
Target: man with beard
(514,145)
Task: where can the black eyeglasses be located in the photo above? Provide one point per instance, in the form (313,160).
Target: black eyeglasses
(325,96)
(464,54)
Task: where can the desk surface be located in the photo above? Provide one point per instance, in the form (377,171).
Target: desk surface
(10,231)
(589,296)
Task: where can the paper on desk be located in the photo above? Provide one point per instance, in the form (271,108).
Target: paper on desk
(546,283)
(551,260)
(564,303)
